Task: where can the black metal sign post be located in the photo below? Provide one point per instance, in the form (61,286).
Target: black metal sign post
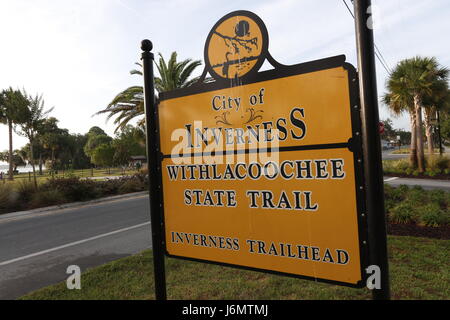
(153,155)
(371,146)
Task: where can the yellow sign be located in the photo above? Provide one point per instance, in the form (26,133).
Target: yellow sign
(305,109)
(265,175)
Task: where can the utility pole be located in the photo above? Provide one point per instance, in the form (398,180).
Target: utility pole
(373,167)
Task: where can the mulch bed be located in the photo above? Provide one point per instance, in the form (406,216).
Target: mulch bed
(413,230)
(403,175)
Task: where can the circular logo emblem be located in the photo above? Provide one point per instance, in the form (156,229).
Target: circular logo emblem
(236,46)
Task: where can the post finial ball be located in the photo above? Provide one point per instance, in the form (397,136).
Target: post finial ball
(146,45)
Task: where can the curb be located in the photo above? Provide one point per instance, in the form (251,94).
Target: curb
(69,205)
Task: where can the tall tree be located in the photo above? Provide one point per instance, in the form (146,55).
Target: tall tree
(32,123)
(445,127)
(129,142)
(95,140)
(413,79)
(13,110)
(399,101)
(51,139)
(438,101)
(389,131)
(103,155)
(129,103)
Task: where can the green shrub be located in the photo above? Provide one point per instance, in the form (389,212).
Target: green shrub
(403,213)
(392,197)
(131,185)
(417,196)
(395,194)
(70,174)
(46,198)
(440,197)
(8,198)
(389,204)
(109,187)
(403,188)
(433,216)
(73,189)
(396,166)
(25,190)
(387,166)
(401,165)
(431,172)
(439,164)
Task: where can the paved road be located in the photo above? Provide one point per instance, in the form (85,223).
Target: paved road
(427,184)
(387,155)
(36,251)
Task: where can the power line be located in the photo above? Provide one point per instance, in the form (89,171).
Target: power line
(377,51)
(348,8)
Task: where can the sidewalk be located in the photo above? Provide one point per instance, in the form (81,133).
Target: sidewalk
(103,178)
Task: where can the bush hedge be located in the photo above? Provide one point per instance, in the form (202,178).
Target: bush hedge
(24,195)
(435,166)
(417,206)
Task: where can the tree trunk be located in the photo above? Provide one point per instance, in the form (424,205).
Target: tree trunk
(40,164)
(429,131)
(10,156)
(413,151)
(53,159)
(32,163)
(419,135)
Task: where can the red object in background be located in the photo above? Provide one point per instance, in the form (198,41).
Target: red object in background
(381,128)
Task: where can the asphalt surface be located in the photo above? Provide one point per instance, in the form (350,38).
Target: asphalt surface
(426,184)
(387,155)
(35,251)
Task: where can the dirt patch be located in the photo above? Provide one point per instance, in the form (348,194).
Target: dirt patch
(413,230)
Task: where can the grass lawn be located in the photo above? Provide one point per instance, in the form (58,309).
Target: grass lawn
(418,270)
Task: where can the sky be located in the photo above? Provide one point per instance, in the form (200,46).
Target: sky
(78,53)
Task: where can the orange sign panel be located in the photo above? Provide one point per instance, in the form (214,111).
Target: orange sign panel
(263,170)
(305,109)
(292,209)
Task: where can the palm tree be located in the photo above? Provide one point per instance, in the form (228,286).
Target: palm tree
(439,100)
(398,101)
(32,124)
(129,103)
(13,110)
(413,79)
